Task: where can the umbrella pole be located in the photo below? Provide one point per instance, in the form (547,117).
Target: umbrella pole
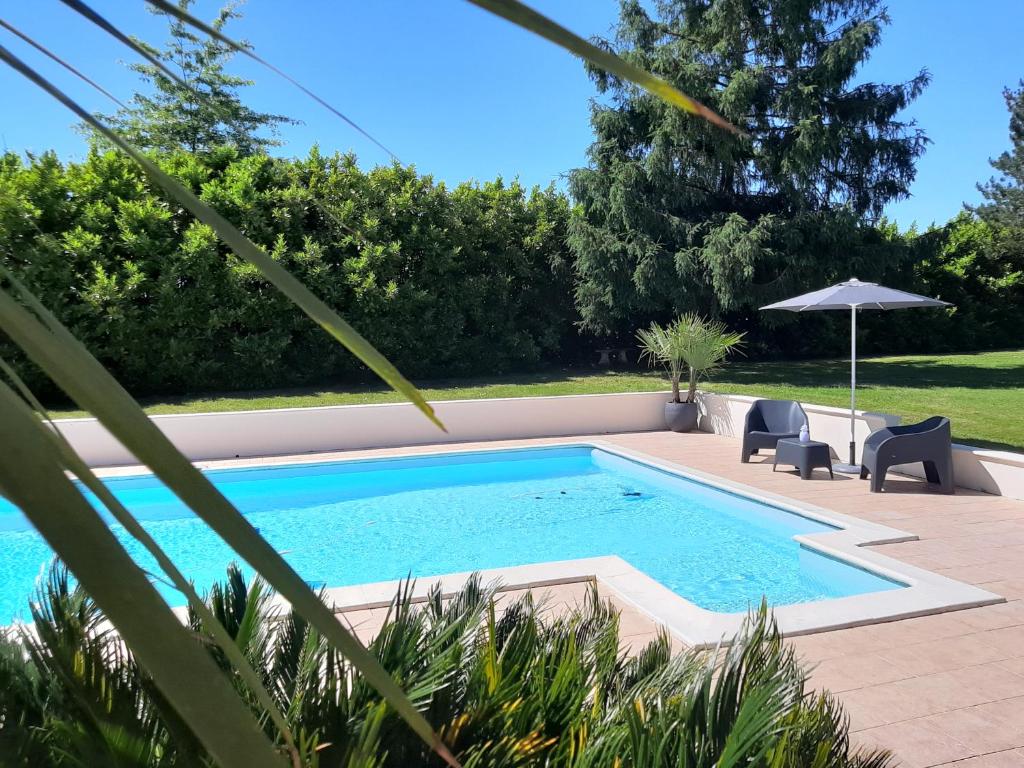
(853,385)
(852,468)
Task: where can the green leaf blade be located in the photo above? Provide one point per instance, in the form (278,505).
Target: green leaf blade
(523,16)
(180,667)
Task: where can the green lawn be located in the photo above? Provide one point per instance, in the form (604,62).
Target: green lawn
(982,393)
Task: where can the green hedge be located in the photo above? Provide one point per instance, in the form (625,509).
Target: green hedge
(980,267)
(456,281)
(475,279)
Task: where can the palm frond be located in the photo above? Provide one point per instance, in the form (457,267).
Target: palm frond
(70,526)
(522,15)
(88,13)
(200,616)
(54,57)
(690,342)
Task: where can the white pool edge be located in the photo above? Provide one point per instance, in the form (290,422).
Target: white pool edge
(926,592)
(692,625)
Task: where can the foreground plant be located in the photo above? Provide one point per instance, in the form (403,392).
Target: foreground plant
(504,682)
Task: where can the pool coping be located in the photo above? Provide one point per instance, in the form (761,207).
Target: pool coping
(925,593)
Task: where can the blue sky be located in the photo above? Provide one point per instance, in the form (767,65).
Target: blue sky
(464,95)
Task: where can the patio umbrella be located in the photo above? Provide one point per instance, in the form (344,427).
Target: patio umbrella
(854,295)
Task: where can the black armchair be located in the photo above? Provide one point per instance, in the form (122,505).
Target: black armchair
(929,442)
(767,422)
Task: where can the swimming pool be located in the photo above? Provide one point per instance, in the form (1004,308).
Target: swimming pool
(352,522)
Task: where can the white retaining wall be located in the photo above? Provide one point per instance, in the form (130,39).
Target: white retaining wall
(346,427)
(204,436)
(725,414)
(998,472)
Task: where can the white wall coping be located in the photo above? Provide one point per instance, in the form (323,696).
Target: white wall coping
(370,406)
(830,410)
(288,431)
(992,454)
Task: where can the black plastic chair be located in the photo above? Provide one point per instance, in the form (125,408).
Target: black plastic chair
(929,442)
(767,422)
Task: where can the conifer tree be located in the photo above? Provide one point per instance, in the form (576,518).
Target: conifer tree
(678,215)
(204,113)
(1005,195)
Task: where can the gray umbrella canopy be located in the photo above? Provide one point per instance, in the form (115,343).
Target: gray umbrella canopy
(853,295)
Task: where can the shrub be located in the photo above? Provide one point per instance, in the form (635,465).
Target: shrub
(504,684)
(442,281)
(980,267)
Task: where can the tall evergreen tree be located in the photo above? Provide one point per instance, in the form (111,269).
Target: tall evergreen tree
(206,111)
(677,215)
(1005,195)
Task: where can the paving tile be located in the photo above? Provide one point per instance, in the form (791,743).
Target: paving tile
(365,624)
(821,646)
(1010,758)
(1009,713)
(1011,589)
(980,573)
(911,698)
(991,681)
(561,598)
(631,646)
(633,622)
(998,526)
(1010,640)
(943,655)
(997,616)
(937,626)
(1015,665)
(987,540)
(980,733)
(877,705)
(845,673)
(916,743)
(570,594)
(941,692)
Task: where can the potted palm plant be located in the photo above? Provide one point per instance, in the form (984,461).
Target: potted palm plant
(695,344)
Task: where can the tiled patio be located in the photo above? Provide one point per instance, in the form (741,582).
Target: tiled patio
(943,690)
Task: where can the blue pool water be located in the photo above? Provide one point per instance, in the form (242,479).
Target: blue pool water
(354,522)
